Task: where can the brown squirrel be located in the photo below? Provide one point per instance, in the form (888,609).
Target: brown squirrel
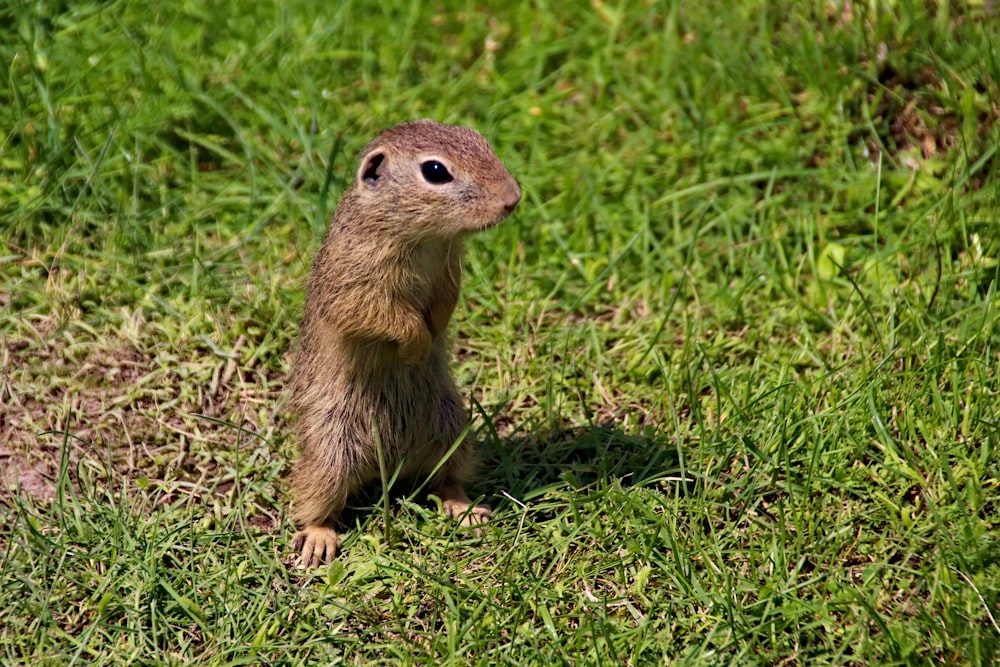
(372,368)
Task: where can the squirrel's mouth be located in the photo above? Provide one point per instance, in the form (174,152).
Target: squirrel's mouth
(506,209)
(508,201)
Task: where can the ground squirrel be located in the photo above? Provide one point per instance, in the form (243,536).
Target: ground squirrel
(373,357)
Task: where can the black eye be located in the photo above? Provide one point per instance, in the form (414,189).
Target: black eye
(435,172)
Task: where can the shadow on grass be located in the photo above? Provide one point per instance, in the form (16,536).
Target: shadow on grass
(531,464)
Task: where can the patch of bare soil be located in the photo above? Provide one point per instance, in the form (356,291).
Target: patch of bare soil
(34,479)
(115,408)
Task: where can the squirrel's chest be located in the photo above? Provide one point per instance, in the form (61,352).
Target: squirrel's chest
(432,264)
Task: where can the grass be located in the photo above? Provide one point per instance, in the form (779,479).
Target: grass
(733,362)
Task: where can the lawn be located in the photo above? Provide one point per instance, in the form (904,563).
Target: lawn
(733,362)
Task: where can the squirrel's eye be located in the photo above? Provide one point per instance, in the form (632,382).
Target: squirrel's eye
(435,172)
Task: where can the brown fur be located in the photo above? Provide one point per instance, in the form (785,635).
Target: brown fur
(373,358)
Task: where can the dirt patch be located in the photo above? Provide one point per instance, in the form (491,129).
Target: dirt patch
(119,408)
(20,475)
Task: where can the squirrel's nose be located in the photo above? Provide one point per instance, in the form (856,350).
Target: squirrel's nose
(512,198)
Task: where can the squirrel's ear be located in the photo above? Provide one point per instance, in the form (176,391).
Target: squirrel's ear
(372,168)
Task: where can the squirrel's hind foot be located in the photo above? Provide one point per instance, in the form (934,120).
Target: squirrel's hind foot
(318,544)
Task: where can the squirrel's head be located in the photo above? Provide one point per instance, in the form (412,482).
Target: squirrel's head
(440,180)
